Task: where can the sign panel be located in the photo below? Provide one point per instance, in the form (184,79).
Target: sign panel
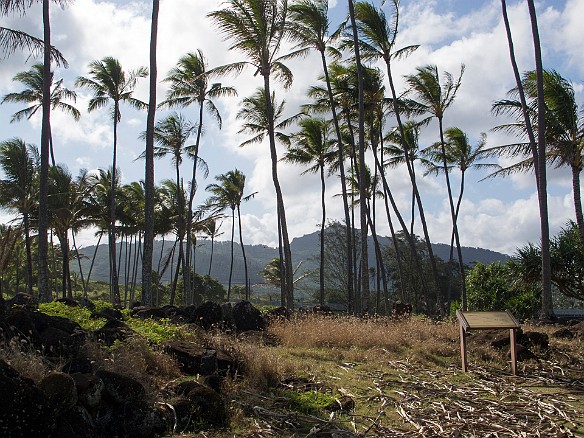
(487,320)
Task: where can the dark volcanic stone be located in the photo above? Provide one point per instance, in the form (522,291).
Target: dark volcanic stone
(60,390)
(68,302)
(112,331)
(26,412)
(109,313)
(119,388)
(247,317)
(564,333)
(207,315)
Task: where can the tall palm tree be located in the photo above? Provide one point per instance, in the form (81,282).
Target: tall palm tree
(149,195)
(111,84)
(258,29)
(189,85)
(19,162)
(537,150)
(435,97)
(171,134)
(377,42)
(33,96)
(104,185)
(564,130)
(310,29)
(212,227)
(67,213)
(228,193)
(314,149)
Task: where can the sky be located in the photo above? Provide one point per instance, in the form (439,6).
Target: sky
(499,214)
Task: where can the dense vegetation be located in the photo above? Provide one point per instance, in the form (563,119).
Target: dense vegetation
(354,125)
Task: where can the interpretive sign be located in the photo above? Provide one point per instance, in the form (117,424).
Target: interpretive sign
(491,321)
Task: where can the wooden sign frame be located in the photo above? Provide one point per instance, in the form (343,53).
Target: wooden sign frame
(492,321)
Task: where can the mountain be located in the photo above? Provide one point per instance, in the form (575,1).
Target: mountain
(305,250)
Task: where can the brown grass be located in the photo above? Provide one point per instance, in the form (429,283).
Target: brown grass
(26,360)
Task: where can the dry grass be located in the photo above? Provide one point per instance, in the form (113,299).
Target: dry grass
(26,360)
(137,359)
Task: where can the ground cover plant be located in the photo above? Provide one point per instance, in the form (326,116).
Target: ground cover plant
(348,376)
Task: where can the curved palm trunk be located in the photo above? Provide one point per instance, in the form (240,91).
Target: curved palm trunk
(414,185)
(147,296)
(322,224)
(115,287)
(362,188)
(348,236)
(26,221)
(547,310)
(538,152)
(285,243)
(247,291)
(211,257)
(78,261)
(187,278)
(43,225)
(231,263)
(454,216)
(451,256)
(91,266)
(578,201)
(377,253)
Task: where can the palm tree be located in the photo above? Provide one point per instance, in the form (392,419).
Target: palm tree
(12,40)
(33,96)
(149,195)
(310,28)
(258,29)
(110,84)
(67,212)
(212,228)
(435,98)
(564,130)
(313,148)
(377,42)
(189,85)
(103,186)
(171,135)
(228,192)
(537,150)
(19,188)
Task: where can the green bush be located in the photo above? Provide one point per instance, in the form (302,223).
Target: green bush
(496,287)
(80,315)
(309,402)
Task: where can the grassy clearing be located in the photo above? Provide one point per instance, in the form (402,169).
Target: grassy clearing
(350,376)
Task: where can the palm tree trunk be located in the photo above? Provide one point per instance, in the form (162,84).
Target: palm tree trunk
(349,261)
(149,167)
(78,262)
(115,288)
(247,291)
(412,177)
(43,224)
(187,278)
(26,221)
(538,161)
(322,224)
(547,310)
(91,266)
(362,188)
(453,215)
(287,253)
(578,202)
(231,263)
(211,257)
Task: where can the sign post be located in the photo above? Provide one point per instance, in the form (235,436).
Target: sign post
(491,321)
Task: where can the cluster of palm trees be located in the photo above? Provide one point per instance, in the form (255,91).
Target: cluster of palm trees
(349,129)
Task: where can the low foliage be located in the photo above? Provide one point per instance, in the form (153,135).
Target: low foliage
(80,315)
(158,330)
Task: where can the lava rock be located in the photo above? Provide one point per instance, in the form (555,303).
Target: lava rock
(119,388)
(247,317)
(60,390)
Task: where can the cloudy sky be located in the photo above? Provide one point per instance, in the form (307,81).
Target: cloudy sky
(499,214)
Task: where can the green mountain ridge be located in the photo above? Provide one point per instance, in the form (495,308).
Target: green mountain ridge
(305,250)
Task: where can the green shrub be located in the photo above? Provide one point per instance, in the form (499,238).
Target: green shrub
(496,287)
(80,315)
(309,402)
(157,331)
